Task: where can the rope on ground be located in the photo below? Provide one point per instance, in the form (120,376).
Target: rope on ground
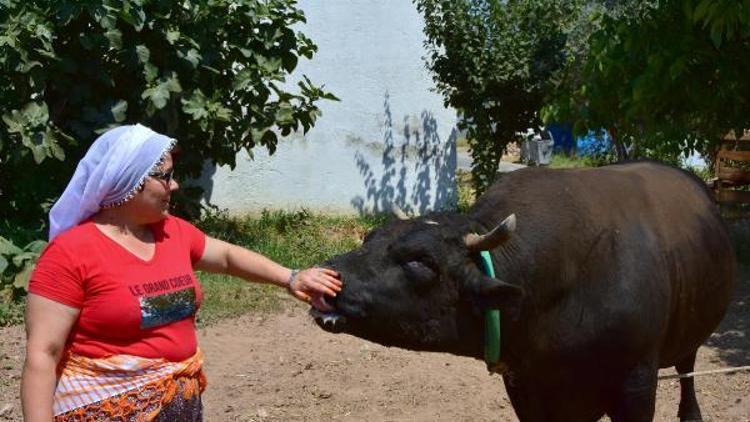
(711,372)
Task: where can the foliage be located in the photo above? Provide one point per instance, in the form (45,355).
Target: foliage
(566,161)
(16,264)
(667,79)
(493,61)
(704,173)
(211,73)
(466,194)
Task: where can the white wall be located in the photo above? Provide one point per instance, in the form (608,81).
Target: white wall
(388,140)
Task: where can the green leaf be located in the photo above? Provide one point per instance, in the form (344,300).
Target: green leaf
(19,259)
(285,114)
(119,111)
(13,122)
(150,72)
(158,95)
(53,146)
(57,151)
(269,139)
(192,56)
(36,246)
(21,280)
(144,54)
(11,42)
(173,35)
(289,62)
(243,80)
(8,248)
(222,113)
(3,264)
(135,16)
(173,84)
(38,113)
(25,67)
(269,65)
(38,153)
(195,105)
(115,38)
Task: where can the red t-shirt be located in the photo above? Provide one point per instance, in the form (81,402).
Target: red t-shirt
(128,305)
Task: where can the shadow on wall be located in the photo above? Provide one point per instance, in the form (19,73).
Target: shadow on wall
(432,161)
(206,181)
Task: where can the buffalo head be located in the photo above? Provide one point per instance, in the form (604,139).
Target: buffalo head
(419,284)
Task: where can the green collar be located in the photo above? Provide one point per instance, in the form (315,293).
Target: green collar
(491,322)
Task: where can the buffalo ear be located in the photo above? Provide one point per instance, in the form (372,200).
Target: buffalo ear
(491,293)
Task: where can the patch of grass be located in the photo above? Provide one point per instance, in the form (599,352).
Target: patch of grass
(227,297)
(11,312)
(568,161)
(294,239)
(466,192)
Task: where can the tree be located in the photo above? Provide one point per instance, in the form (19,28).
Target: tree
(493,61)
(666,80)
(665,77)
(211,73)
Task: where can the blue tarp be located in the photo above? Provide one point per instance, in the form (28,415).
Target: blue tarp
(593,143)
(562,135)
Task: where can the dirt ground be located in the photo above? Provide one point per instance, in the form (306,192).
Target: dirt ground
(281,367)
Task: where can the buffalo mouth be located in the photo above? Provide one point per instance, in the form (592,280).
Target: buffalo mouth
(329,321)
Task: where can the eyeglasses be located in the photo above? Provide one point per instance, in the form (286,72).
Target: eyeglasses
(166,176)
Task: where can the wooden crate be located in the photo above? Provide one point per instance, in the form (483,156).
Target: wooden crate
(732,169)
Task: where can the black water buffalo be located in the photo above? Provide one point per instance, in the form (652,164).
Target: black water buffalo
(611,273)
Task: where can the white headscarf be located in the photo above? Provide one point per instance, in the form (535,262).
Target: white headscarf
(110,174)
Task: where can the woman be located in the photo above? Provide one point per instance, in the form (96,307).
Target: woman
(110,317)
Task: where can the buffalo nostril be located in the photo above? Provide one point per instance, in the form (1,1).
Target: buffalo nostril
(336,301)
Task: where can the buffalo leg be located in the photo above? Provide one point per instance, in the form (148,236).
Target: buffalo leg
(636,397)
(559,404)
(689,409)
(525,405)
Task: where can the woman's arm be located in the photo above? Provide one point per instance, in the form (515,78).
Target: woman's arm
(48,324)
(225,258)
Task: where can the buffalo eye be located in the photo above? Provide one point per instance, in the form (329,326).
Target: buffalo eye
(419,272)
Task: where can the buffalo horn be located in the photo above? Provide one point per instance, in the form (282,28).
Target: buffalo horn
(398,212)
(494,238)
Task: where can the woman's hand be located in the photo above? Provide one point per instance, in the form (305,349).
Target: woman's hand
(314,284)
